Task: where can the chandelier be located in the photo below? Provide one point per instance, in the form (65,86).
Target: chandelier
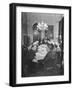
(42,26)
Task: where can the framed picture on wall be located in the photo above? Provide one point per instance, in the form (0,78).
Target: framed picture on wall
(40,44)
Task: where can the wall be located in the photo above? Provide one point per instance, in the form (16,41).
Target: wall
(56,31)
(23,26)
(50,19)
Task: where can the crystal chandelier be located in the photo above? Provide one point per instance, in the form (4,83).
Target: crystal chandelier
(42,26)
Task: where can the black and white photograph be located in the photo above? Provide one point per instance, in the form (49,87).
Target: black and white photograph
(40,44)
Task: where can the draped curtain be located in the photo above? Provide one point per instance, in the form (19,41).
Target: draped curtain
(61,31)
